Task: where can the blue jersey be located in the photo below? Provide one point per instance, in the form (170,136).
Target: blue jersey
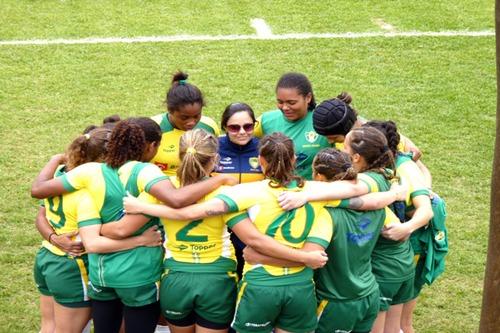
(241,161)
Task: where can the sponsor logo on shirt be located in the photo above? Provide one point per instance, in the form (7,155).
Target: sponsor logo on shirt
(254,162)
(226,160)
(311,136)
(162,166)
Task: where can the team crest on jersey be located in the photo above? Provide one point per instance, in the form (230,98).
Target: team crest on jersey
(311,136)
(254,162)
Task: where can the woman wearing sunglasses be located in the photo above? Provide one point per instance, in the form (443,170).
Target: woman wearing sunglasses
(238,152)
(238,148)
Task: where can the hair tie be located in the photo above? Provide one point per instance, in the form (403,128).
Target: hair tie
(182,82)
(87,136)
(191,150)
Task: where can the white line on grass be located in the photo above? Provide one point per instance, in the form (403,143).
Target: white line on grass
(187,38)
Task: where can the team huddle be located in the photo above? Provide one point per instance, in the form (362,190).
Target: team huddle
(305,219)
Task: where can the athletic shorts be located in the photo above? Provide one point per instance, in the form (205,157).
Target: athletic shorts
(211,296)
(261,308)
(62,277)
(348,315)
(133,297)
(393,293)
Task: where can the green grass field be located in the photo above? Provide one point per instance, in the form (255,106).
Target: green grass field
(440,91)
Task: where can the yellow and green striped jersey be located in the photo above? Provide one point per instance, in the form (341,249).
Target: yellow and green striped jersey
(392,261)
(410,176)
(291,228)
(167,157)
(107,186)
(201,245)
(65,211)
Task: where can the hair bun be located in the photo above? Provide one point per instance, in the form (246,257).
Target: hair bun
(345,97)
(179,76)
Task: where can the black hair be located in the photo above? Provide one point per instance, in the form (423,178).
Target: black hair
(182,93)
(300,82)
(233,108)
(390,130)
(152,131)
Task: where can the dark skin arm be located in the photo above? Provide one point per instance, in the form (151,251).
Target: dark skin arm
(64,242)
(45,185)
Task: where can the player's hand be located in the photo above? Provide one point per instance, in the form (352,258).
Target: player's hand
(151,237)
(131,204)
(251,256)
(397,231)
(226,179)
(400,190)
(68,244)
(315,259)
(59,158)
(289,200)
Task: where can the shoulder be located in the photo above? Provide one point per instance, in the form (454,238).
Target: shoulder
(209,125)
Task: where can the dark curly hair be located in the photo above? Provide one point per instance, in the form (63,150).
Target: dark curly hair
(127,143)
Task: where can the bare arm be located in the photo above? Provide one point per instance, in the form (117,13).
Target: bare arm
(125,227)
(421,217)
(212,207)
(64,242)
(322,191)
(174,197)
(95,243)
(44,185)
(378,200)
(255,257)
(426,174)
(411,147)
(313,257)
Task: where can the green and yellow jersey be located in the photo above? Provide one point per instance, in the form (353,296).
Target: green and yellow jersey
(348,273)
(108,186)
(291,228)
(306,141)
(392,261)
(64,212)
(201,245)
(411,177)
(167,157)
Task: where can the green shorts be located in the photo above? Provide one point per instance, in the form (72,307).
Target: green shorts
(348,315)
(211,296)
(393,293)
(62,277)
(261,308)
(133,297)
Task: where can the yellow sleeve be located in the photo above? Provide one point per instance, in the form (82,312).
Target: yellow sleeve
(369,181)
(258,131)
(240,197)
(80,177)
(412,177)
(148,176)
(207,121)
(87,212)
(322,230)
(390,217)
